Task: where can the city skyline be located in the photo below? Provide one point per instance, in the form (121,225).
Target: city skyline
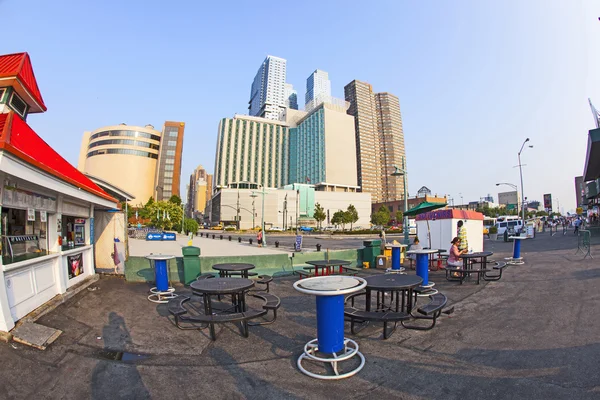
(465,82)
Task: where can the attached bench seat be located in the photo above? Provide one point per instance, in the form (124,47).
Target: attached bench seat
(265,280)
(451,270)
(355,315)
(185,322)
(271,302)
(302,273)
(238,273)
(489,275)
(430,311)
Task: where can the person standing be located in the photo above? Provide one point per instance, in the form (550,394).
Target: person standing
(462,235)
(259,237)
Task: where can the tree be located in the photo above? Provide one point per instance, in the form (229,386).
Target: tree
(381,216)
(319,214)
(175,200)
(190,225)
(339,219)
(165,215)
(352,215)
(399,216)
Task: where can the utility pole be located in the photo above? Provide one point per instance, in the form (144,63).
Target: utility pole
(264,239)
(237,210)
(253,195)
(297,207)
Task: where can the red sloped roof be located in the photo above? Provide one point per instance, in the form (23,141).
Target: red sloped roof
(19,65)
(20,140)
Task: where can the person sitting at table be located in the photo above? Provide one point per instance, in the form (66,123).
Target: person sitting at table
(454,257)
(416,245)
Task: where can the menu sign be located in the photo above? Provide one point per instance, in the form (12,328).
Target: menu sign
(11,196)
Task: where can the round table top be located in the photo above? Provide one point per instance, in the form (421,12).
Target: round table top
(328,263)
(329,285)
(159,257)
(422,251)
(222,285)
(393,281)
(518,237)
(477,255)
(233,267)
(396,245)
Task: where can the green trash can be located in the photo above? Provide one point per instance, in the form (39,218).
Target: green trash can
(191,263)
(371,250)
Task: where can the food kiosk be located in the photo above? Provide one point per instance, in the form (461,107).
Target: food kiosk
(40,192)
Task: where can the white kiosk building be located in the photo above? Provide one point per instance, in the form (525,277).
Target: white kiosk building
(441,227)
(47,205)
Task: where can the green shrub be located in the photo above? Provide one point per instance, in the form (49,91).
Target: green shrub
(493,229)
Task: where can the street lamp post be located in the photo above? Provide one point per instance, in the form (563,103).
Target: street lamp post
(264,234)
(402,172)
(521,174)
(516,190)
(254,196)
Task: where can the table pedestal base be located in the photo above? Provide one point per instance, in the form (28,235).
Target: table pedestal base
(350,350)
(395,271)
(161,297)
(514,261)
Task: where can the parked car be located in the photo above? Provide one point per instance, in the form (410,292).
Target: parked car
(217,227)
(306,228)
(276,229)
(357,228)
(512,226)
(330,228)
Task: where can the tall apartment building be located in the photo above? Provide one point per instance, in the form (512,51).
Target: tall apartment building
(168,171)
(251,149)
(362,107)
(267,94)
(391,144)
(136,159)
(199,191)
(322,147)
(317,84)
(379,140)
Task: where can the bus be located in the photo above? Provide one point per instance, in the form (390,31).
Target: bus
(488,222)
(504,218)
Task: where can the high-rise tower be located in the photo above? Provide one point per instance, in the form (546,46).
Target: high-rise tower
(379,140)
(267,95)
(318,86)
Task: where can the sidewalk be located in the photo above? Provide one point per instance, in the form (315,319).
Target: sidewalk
(531,335)
(208,247)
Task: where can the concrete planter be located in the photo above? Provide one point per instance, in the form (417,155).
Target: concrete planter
(493,236)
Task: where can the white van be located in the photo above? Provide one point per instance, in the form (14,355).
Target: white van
(511,225)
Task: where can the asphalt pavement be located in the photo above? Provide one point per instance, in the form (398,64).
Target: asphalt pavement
(531,335)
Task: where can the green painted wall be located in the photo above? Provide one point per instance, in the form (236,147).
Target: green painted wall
(138,269)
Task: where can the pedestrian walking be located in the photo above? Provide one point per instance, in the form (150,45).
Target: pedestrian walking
(259,237)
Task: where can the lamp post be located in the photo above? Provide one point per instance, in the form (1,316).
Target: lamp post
(182,217)
(161,192)
(461,201)
(516,190)
(402,172)
(262,224)
(521,174)
(254,196)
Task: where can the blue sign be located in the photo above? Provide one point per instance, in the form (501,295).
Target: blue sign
(92,231)
(169,236)
(298,244)
(154,236)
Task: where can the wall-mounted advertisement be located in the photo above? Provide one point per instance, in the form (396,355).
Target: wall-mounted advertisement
(548,202)
(75,265)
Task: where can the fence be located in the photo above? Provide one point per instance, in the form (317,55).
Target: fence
(583,243)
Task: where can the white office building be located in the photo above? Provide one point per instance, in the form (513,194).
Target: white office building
(291,96)
(317,85)
(268,93)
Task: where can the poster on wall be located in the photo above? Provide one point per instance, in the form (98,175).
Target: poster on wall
(31,214)
(75,265)
(43,216)
(59,223)
(548,202)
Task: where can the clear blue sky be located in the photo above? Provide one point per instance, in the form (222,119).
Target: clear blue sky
(474,78)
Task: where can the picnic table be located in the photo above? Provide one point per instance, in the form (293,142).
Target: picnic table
(234,269)
(238,312)
(400,289)
(469,262)
(327,267)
